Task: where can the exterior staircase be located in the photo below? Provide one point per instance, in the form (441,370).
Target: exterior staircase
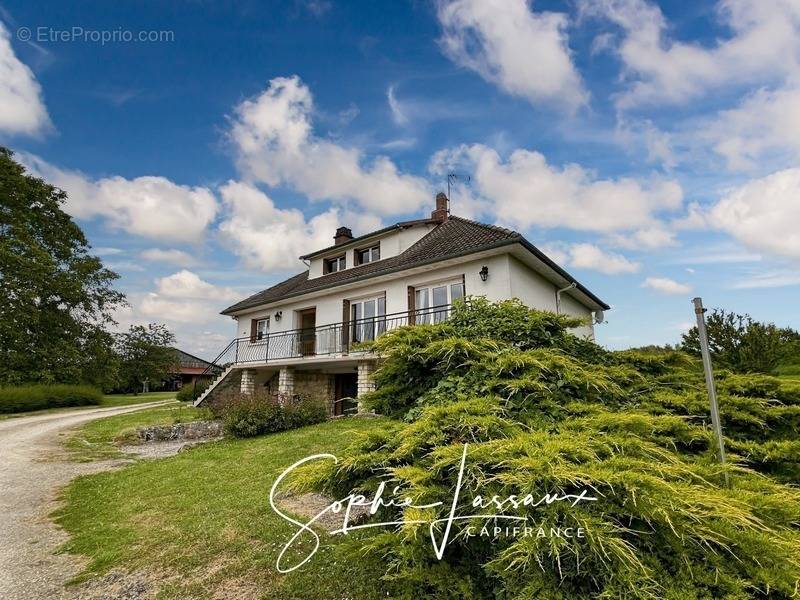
(223,381)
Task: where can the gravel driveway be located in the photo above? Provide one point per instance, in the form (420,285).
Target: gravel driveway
(32,468)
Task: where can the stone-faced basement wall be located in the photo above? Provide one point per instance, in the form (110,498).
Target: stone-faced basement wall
(315,385)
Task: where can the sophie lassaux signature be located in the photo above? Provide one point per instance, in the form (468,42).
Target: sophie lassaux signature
(485,508)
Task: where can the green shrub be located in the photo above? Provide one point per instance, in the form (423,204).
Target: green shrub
(190,393)
(249,415)
(36,397)
(788,370)
(545,415)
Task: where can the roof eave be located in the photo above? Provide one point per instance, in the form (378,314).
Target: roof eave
(549,262)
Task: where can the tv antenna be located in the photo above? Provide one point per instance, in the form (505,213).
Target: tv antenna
(451,178)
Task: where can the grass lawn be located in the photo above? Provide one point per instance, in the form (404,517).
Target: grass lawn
(126,399)
(203,517)
(95,440)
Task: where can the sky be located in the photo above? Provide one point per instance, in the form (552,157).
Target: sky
(651,148)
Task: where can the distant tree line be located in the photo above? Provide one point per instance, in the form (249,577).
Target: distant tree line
(57,301)
(742,344)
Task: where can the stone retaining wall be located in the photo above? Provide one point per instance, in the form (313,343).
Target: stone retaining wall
(196,430)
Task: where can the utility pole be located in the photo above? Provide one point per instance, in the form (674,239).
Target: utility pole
(699,312)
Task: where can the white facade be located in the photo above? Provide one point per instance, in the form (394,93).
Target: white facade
(508,278)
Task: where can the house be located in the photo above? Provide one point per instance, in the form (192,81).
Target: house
(189,370)
(298,336)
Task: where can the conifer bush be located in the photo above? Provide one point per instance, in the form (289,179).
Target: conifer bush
(542,411)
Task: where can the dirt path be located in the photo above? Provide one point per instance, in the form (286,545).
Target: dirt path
(29,479)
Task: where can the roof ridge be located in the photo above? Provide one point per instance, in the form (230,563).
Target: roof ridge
(487,225)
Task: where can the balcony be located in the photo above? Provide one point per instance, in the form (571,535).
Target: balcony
(337,339)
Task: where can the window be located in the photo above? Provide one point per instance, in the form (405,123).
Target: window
(262,328)
(368,255)
(437,298)
(332,265)
(368,318)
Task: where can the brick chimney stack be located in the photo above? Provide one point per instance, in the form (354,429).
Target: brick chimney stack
(343,235)
(442,211)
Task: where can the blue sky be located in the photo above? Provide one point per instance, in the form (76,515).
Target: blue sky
(651,148)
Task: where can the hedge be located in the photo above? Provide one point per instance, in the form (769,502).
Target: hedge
(251,415)
(36,397)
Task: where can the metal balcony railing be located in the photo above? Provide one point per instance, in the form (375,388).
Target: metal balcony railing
(325,340)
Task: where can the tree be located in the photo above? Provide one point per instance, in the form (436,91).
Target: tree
(145,355)
(56,300)
(742,344)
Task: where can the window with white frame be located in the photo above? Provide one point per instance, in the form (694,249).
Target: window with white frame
(262,328)
(368,255)
(368,318)
(332,265)
(434,300)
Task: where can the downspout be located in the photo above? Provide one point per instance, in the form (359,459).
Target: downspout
(558,295)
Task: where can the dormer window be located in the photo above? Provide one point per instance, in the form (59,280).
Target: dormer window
(338,263)
(368,255)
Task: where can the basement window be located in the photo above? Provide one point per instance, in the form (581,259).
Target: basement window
(338,263)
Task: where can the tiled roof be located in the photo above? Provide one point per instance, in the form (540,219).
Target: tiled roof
(188,360)
(450,239)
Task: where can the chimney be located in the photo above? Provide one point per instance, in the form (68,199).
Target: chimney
(343,235)
(442,211)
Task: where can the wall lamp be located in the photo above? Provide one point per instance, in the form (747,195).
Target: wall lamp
(278,315)
(484,273)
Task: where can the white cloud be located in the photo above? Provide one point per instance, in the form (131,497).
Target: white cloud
(589,256)
(106,251)
(414,111)
(189,306)
(763,214)
(767,120)
(715,256)
(665,285)
(275,144)
(648,238)
(398,114)
(152,207)
(763,46)
(22,109)
(638,135)
(525,190)
(269,238)
(772,279)
(525,53)
(171,256)
(694,219)
(187,285)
